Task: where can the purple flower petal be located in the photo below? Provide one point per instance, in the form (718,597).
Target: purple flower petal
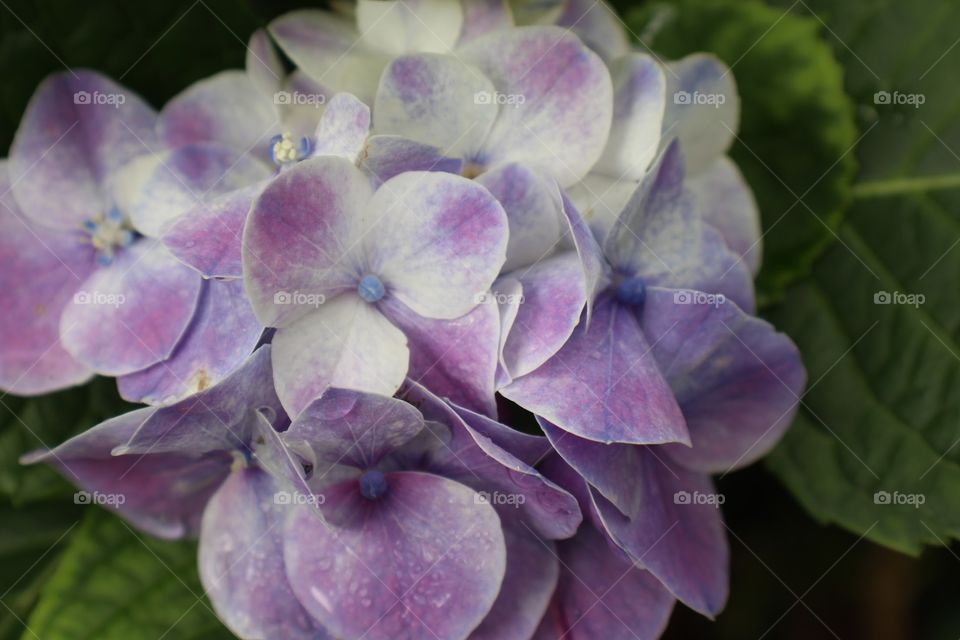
(481,17)
(604,384)
(78,130)
(131,314)
(597,25)
(737,380)
(388,156)
(222,334)
(241,561)
(442,583)
(436,240)
(263,65)
(209,237)
(41,272)
(343,128)
(559,100)
(299,236)
(344,343)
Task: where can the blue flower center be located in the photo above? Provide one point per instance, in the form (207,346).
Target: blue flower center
(370,288)
(285,150)
(373,484)
(632,291)
(108,233)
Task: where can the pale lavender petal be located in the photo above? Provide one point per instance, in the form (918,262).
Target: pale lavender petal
(703,108)
(580,238)
(407,26)
(443,582)
(639,88)
(263,65)
(302,104)
(456,359)
(78,129)
(226,109)
(344,343)
(531,449)
(436,100)
(534,210)
(343,128)
(131,314)
(558,100)
(221,335)
(298,236)
(352,428)
(737,380)
(508,293)
(604,384)
(601,199)
(598,26)
(209,237)
(163,494)
(241,561)
(436,240)
(529,583)
(480,17)
(680,537)
(41,272)
(387,156)
(221,418)
(724,200)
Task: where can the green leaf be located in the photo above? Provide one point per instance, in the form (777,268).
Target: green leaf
(113,583)
(883,412)
(797,125)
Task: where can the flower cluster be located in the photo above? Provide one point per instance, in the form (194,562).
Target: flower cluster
(340,290)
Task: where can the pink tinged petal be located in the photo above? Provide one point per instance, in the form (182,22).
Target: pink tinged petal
(534,211)
(639,88)
(601,595)
(386,156)
(209,237)
(529,583)
(131,314)
(163,493)
(324,46)
(680,536)
(517,490)
(221,418)
(298,236)
(263,65)
(407,26)
(598,26)
(553,300)
(559,100)
(604,384)
(343,128)
(159,189)
(352,428)
(78,129)
(703,108)
(41,272)
(436,100)
(456,359)
(241,561)
(481,17)
(437,241)
(344,343)
(227,109)
(725,201)
(443,581)
(222,334)
(737,380)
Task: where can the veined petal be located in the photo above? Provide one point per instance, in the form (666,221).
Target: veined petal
(386,156)
(343,128)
